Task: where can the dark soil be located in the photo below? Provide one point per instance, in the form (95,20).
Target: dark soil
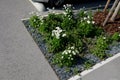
(110,27)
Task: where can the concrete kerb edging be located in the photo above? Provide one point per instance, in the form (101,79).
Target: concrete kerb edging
(98,65)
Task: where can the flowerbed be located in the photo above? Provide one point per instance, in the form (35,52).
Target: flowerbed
(72,43)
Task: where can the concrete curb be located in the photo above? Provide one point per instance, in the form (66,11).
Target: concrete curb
(98,65)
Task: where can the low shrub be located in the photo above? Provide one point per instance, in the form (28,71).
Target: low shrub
(100,46)
(67,57)
(35,21)
(116,36)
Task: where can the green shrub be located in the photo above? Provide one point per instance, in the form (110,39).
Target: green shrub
(68,24)
(100,47)
(50,22)
(85,29)
(116,36)
(54,45)
(88,64)
(66,58)
(35,21)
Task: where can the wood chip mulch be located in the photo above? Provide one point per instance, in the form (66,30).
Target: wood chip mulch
(110,27)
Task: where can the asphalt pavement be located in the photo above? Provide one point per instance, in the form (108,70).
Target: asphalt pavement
(109,71)
(20,57)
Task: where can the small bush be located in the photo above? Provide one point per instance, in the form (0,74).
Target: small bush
(116,36)
(86,28)
(100,47)
(35,21)
(66,58)
(50,22)
(88,64)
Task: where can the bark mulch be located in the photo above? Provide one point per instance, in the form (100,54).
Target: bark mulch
(110,27)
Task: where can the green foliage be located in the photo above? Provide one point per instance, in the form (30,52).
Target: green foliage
(85,29)
(98,31)
(85,24)
(55,45)
(50,22)
(66,58)
(76,71)
(100,47)
(68,24)
(88,64)
(35,21)
(116,36)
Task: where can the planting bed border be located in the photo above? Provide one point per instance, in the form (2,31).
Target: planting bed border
(98,65)
(85,72)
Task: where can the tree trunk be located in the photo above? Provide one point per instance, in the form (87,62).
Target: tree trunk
(110,12)
(115,12)
(106,6)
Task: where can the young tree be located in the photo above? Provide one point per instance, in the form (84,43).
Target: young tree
(110,12)
(115,12)
(106,6)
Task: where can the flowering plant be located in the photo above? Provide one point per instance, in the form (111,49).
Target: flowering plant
(67,57)
(58,32)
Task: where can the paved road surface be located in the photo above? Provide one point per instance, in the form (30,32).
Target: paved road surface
(110,71)
(20,58)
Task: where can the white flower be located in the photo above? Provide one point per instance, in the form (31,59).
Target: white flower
(69,51)
(88,17)
(73,52)
(84,11)
(58,36)
(57,28)
(64,35)
(76,51)
(93,22)
(63,53)
(34,20)
(65,13)
(104,37)
(53,33)
(119,35)
(66,52)
(72,47)
(71,58)
(62,57)
(88,22)
(57,32)
(85,18)
(70,55)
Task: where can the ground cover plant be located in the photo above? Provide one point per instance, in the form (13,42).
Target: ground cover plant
(72,43)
